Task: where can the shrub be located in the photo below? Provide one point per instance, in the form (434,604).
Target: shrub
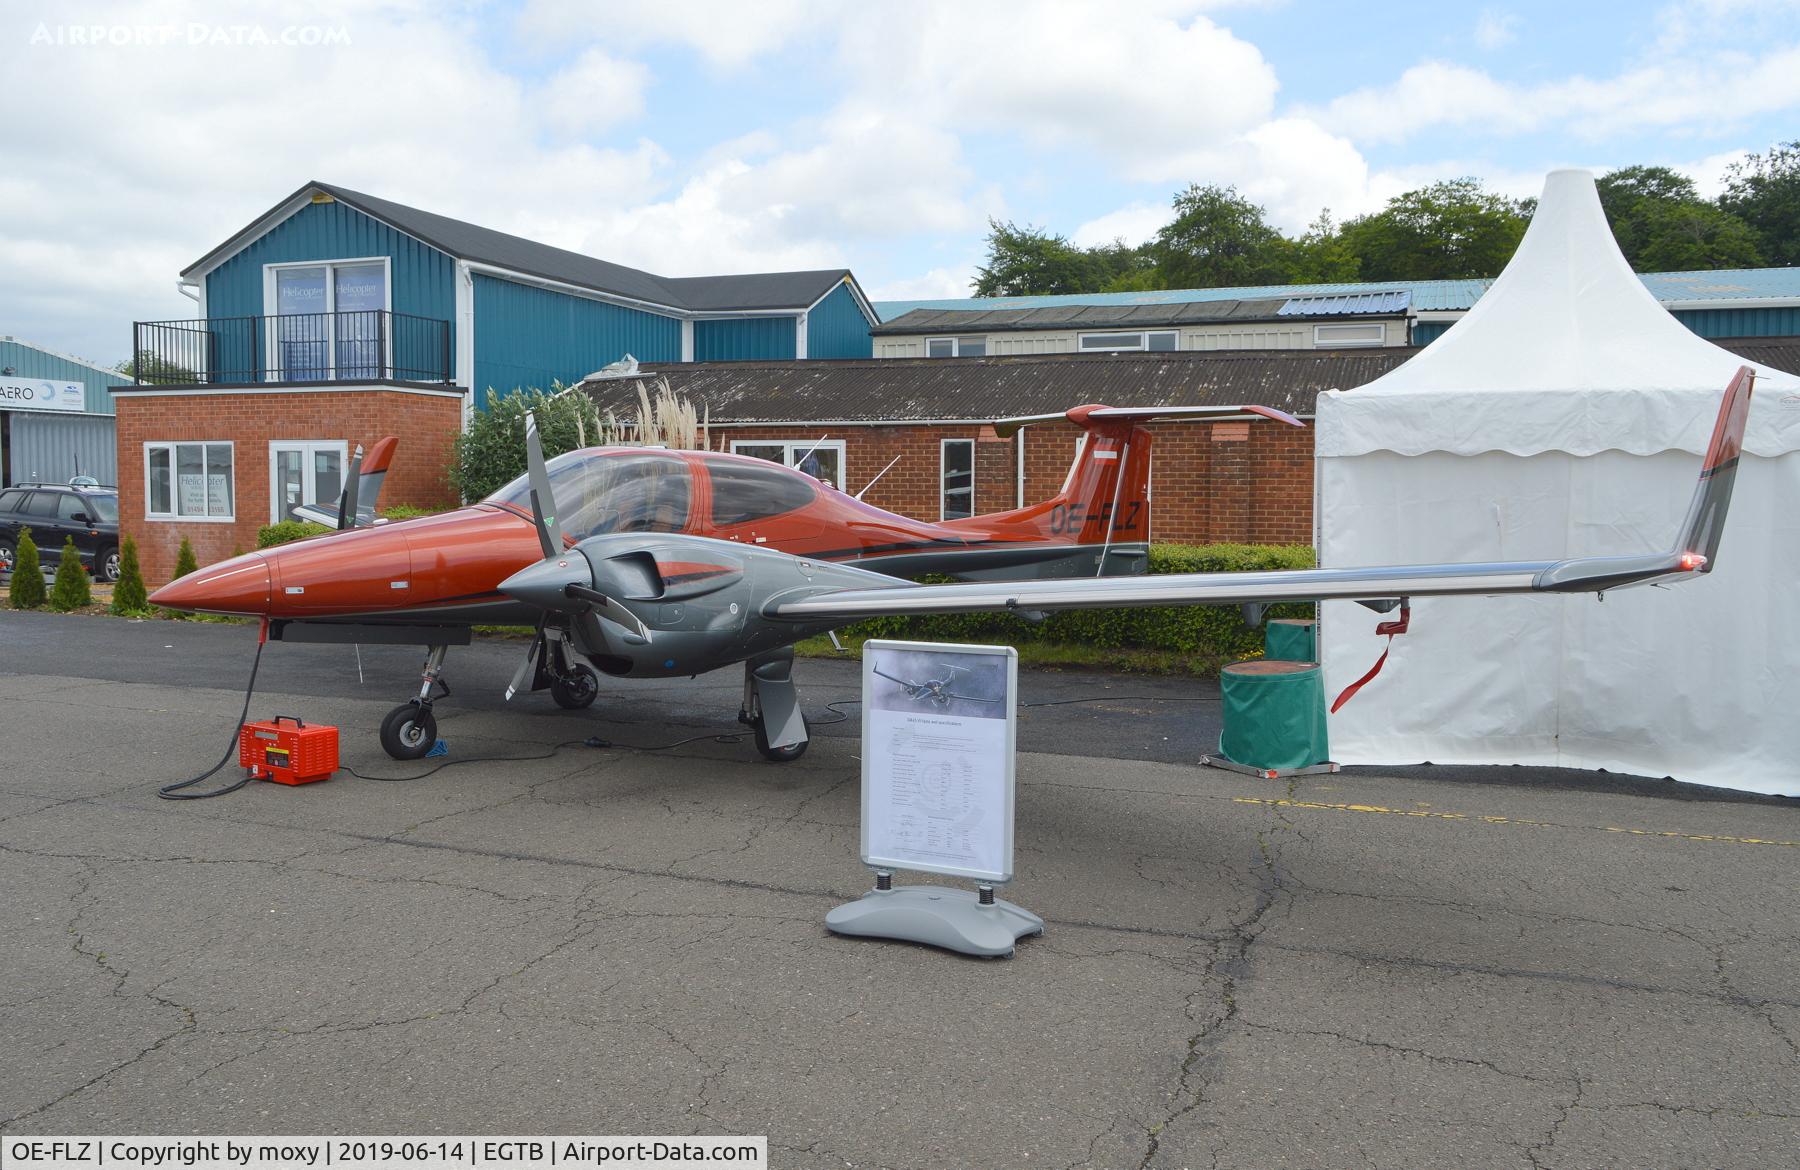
(28,573)
(284,531)
(185,560)
(491,453)
(408,512)
(71,590)
(129,595)
(1211,630)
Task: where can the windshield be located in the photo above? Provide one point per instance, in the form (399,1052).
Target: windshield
(599,492)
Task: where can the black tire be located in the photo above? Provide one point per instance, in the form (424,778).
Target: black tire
(409,732)
(8,554)
(578,691)
(785,755)
(106,565)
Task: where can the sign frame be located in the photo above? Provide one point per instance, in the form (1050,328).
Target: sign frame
(44,395)
(877,652)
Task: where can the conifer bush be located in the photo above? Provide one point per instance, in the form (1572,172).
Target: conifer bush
(72,590)
(28,574)
(185,563)
(129,596)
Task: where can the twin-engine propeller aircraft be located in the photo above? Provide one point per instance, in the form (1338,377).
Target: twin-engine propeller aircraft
(647,563)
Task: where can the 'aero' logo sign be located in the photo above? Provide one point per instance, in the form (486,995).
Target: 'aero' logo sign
(38,394)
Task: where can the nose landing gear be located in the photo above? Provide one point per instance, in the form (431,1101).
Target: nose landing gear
(772,708)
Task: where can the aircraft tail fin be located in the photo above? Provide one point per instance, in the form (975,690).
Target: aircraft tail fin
(369,475)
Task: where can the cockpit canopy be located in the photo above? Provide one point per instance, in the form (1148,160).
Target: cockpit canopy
(604,492)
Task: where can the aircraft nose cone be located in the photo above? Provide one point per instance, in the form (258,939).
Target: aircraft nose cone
(542,584)
(239,585)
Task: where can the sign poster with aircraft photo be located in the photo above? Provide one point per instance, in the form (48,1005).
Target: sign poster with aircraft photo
(938,746)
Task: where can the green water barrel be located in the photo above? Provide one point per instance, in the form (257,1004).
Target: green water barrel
(1274,714)
(1291,639)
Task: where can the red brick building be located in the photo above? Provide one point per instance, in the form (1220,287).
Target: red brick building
(1231,481)
(215,465)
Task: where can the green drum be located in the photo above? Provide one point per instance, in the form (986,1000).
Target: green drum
(1291,639)
(1274,714)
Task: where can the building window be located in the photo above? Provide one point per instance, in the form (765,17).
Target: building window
(189,481)
(1154,341)
(956,347)
(326,319)
(956,494)
(304,472)
(821,459)
(1361,333)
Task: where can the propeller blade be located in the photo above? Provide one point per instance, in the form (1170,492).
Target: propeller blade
(346,517)
(543,500)
(523,674)
(611,610)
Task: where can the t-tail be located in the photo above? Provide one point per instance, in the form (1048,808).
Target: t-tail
(1105,498)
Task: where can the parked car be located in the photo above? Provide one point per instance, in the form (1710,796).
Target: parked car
(55,512)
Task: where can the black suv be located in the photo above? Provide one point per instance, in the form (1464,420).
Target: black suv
(55,512)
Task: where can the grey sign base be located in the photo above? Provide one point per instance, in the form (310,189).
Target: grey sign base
(938,916)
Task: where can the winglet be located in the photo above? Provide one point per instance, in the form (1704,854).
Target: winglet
(1705,523)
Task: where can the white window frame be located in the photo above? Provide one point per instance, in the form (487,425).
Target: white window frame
(796,449)
(271,326)
(1141,342)
(176,516)
(944,471)
(307,448)
(956,344)
(1323,335)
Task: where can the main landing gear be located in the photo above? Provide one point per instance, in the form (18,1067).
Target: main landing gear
(772,707)
(410,730)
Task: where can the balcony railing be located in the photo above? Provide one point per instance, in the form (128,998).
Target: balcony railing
(360,346)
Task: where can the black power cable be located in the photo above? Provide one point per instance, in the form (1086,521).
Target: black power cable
(173,791)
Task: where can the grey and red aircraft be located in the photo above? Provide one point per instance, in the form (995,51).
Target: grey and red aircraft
(647,563)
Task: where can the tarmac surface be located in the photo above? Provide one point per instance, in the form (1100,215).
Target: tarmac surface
(1442,967)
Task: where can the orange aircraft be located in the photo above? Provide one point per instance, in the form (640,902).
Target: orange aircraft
(644,562)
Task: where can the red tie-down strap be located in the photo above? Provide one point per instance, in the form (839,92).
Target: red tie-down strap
(1397,626)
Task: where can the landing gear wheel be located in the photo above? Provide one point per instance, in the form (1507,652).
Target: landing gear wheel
(409,732)
(782,755)
(576,691)
(7,556)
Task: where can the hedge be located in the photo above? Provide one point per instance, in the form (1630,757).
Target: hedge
(270,535)
(1195,629)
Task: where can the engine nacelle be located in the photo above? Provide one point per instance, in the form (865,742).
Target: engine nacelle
(701,599)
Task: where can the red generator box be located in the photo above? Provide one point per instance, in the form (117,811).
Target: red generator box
(287,751)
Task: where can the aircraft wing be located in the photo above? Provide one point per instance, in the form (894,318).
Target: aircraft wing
(1695,552)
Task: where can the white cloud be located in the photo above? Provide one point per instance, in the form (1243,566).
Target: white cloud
(595,91)
(727,33)
(1134,224)
(937,284)
(1698,92)
(1495,29)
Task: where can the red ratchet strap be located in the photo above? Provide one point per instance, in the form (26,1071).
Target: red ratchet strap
(1390,629)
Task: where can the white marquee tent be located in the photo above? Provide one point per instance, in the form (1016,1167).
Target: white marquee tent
(1563,416)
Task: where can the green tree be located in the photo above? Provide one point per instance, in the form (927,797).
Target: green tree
(152,369)
(1663,225)
(1028,261)
(1445,231)
(491,453)
(1321,255)
(1764,192)
(129,596)
(1217,239)
(185,562)
(71,589)
(1122,267)
(27,573)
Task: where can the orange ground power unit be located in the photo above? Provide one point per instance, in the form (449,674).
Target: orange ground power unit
(287,751)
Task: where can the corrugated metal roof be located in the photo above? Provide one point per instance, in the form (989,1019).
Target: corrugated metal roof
(1427,295)
(1348,304)
(982,389)
(467,241)
(1081,317)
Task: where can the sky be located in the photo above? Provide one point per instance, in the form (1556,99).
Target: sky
(692,136)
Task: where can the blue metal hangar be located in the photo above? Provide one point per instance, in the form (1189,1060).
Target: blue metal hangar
(332,285)
(56,416)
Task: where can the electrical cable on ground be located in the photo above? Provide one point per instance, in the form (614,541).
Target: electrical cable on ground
(173,791)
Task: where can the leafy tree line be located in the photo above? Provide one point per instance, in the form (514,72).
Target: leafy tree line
(1216,238)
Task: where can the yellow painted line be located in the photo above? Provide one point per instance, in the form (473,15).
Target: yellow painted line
(1493,820)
